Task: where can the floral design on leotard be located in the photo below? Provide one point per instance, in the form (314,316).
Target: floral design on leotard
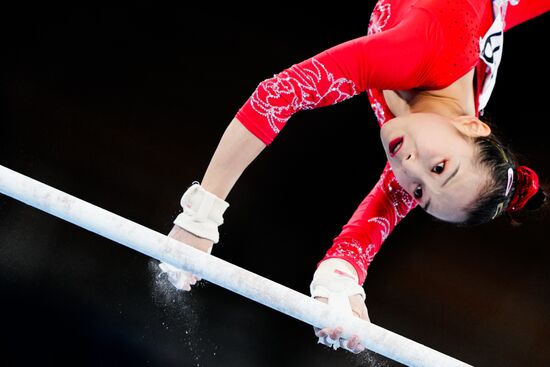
(352,251)
(385,226)
(378,21)
(371,252)
(299,88)
(400,199)
(377,108)
(379,17)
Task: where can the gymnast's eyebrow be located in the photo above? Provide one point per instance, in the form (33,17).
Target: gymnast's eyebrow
(443,184)
(449,178)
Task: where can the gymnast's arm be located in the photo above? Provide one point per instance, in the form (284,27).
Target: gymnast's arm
(330,77)
(372,222)
(237,148)
(342,271)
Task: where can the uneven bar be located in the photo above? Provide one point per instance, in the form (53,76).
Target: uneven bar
(216,270)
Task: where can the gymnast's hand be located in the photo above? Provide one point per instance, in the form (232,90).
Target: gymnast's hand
(196,226)
(182,279)
(336,282)
(333,337)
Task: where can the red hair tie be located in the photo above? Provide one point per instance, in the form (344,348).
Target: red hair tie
(527,185)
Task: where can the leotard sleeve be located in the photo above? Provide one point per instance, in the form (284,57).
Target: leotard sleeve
(397,58)
(371,223)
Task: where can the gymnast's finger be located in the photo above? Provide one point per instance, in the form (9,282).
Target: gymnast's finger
(354,345)
(324,332)
(336,333)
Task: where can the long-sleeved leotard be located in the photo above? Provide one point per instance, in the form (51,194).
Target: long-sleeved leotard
(410,45)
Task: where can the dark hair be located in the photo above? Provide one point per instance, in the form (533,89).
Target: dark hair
(494,200)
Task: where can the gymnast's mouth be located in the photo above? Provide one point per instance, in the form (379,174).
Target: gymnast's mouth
(395,145)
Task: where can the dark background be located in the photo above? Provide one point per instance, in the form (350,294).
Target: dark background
(123,107)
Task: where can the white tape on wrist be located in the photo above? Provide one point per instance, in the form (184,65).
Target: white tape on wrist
(202,213)
(334,276)
(333,280)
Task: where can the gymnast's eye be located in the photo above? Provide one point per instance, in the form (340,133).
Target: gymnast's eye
(418,192)
(439,168)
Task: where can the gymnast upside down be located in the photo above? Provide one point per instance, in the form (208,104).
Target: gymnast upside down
(428,68)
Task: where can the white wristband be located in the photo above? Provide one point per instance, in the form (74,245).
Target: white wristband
(202,213)
(334,280)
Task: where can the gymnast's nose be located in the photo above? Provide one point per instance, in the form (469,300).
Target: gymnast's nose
(411,164)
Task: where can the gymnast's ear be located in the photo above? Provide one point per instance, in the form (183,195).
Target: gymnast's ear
(471,126)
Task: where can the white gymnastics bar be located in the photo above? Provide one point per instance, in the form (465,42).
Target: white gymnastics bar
(216,270)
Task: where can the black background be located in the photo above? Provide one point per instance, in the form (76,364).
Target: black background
(123,107)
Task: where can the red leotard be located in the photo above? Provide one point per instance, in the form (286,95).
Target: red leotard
(410,45)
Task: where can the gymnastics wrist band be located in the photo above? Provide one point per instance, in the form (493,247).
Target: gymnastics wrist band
(202,213)
(334,281)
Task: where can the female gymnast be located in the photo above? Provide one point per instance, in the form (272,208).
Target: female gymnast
(428,67)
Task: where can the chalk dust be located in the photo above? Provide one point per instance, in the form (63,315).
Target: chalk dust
(180,311)
(371,359)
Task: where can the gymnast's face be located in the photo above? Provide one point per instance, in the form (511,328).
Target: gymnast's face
(433,159)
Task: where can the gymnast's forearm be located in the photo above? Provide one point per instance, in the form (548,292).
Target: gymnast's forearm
(237,148)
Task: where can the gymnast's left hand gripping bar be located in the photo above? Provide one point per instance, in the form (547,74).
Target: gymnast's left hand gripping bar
(216,270)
